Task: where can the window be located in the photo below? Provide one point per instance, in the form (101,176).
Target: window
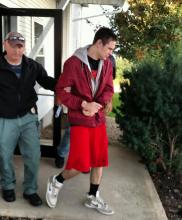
(38,29)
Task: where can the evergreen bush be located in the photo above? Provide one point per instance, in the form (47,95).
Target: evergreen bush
(150,114)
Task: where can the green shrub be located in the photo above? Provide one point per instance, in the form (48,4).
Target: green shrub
(115,103)
(150,113)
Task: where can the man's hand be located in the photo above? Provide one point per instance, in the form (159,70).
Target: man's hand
(67,89)
(108,107)
(58,100)
(90,108)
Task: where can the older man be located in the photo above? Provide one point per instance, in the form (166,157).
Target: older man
(18,117)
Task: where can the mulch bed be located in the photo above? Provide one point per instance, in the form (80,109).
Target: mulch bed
(170,192)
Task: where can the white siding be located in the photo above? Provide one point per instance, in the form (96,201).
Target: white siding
(29,3)
(25,27)
(76,27)
(71,30)
(66,48)
(24,24)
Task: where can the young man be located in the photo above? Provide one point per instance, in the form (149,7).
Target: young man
(18,117)
(86,87)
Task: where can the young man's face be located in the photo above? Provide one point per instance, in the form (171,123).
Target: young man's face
(14,52)
(104,51)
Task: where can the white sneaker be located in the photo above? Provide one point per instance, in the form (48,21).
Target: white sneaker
(98,204)
(53,188)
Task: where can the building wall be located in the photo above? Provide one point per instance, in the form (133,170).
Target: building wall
(72,31)
(77,30)
(25,25)
(66,36)
(29,3)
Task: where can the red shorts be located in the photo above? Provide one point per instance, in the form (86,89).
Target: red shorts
(88,148)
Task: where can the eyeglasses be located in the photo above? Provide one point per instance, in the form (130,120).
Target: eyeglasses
(16,38)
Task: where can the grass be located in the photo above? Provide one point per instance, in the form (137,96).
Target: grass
(115,103)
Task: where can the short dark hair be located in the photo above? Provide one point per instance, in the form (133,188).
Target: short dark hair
(105,35)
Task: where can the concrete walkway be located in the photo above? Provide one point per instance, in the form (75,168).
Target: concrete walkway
(126,186)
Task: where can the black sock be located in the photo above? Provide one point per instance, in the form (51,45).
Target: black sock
(60,178)
(93,189)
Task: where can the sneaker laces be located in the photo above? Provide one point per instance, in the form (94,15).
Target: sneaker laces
(55,189)
(101,201)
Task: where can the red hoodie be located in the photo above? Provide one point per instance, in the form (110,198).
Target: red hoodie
(77,75)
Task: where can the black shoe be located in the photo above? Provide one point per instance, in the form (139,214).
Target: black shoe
(33,199)
(9,195)
(59,162)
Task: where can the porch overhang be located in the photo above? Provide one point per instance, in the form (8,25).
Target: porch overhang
(118,3)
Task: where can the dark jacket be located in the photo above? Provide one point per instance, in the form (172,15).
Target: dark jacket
(17,95)
(76,74)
